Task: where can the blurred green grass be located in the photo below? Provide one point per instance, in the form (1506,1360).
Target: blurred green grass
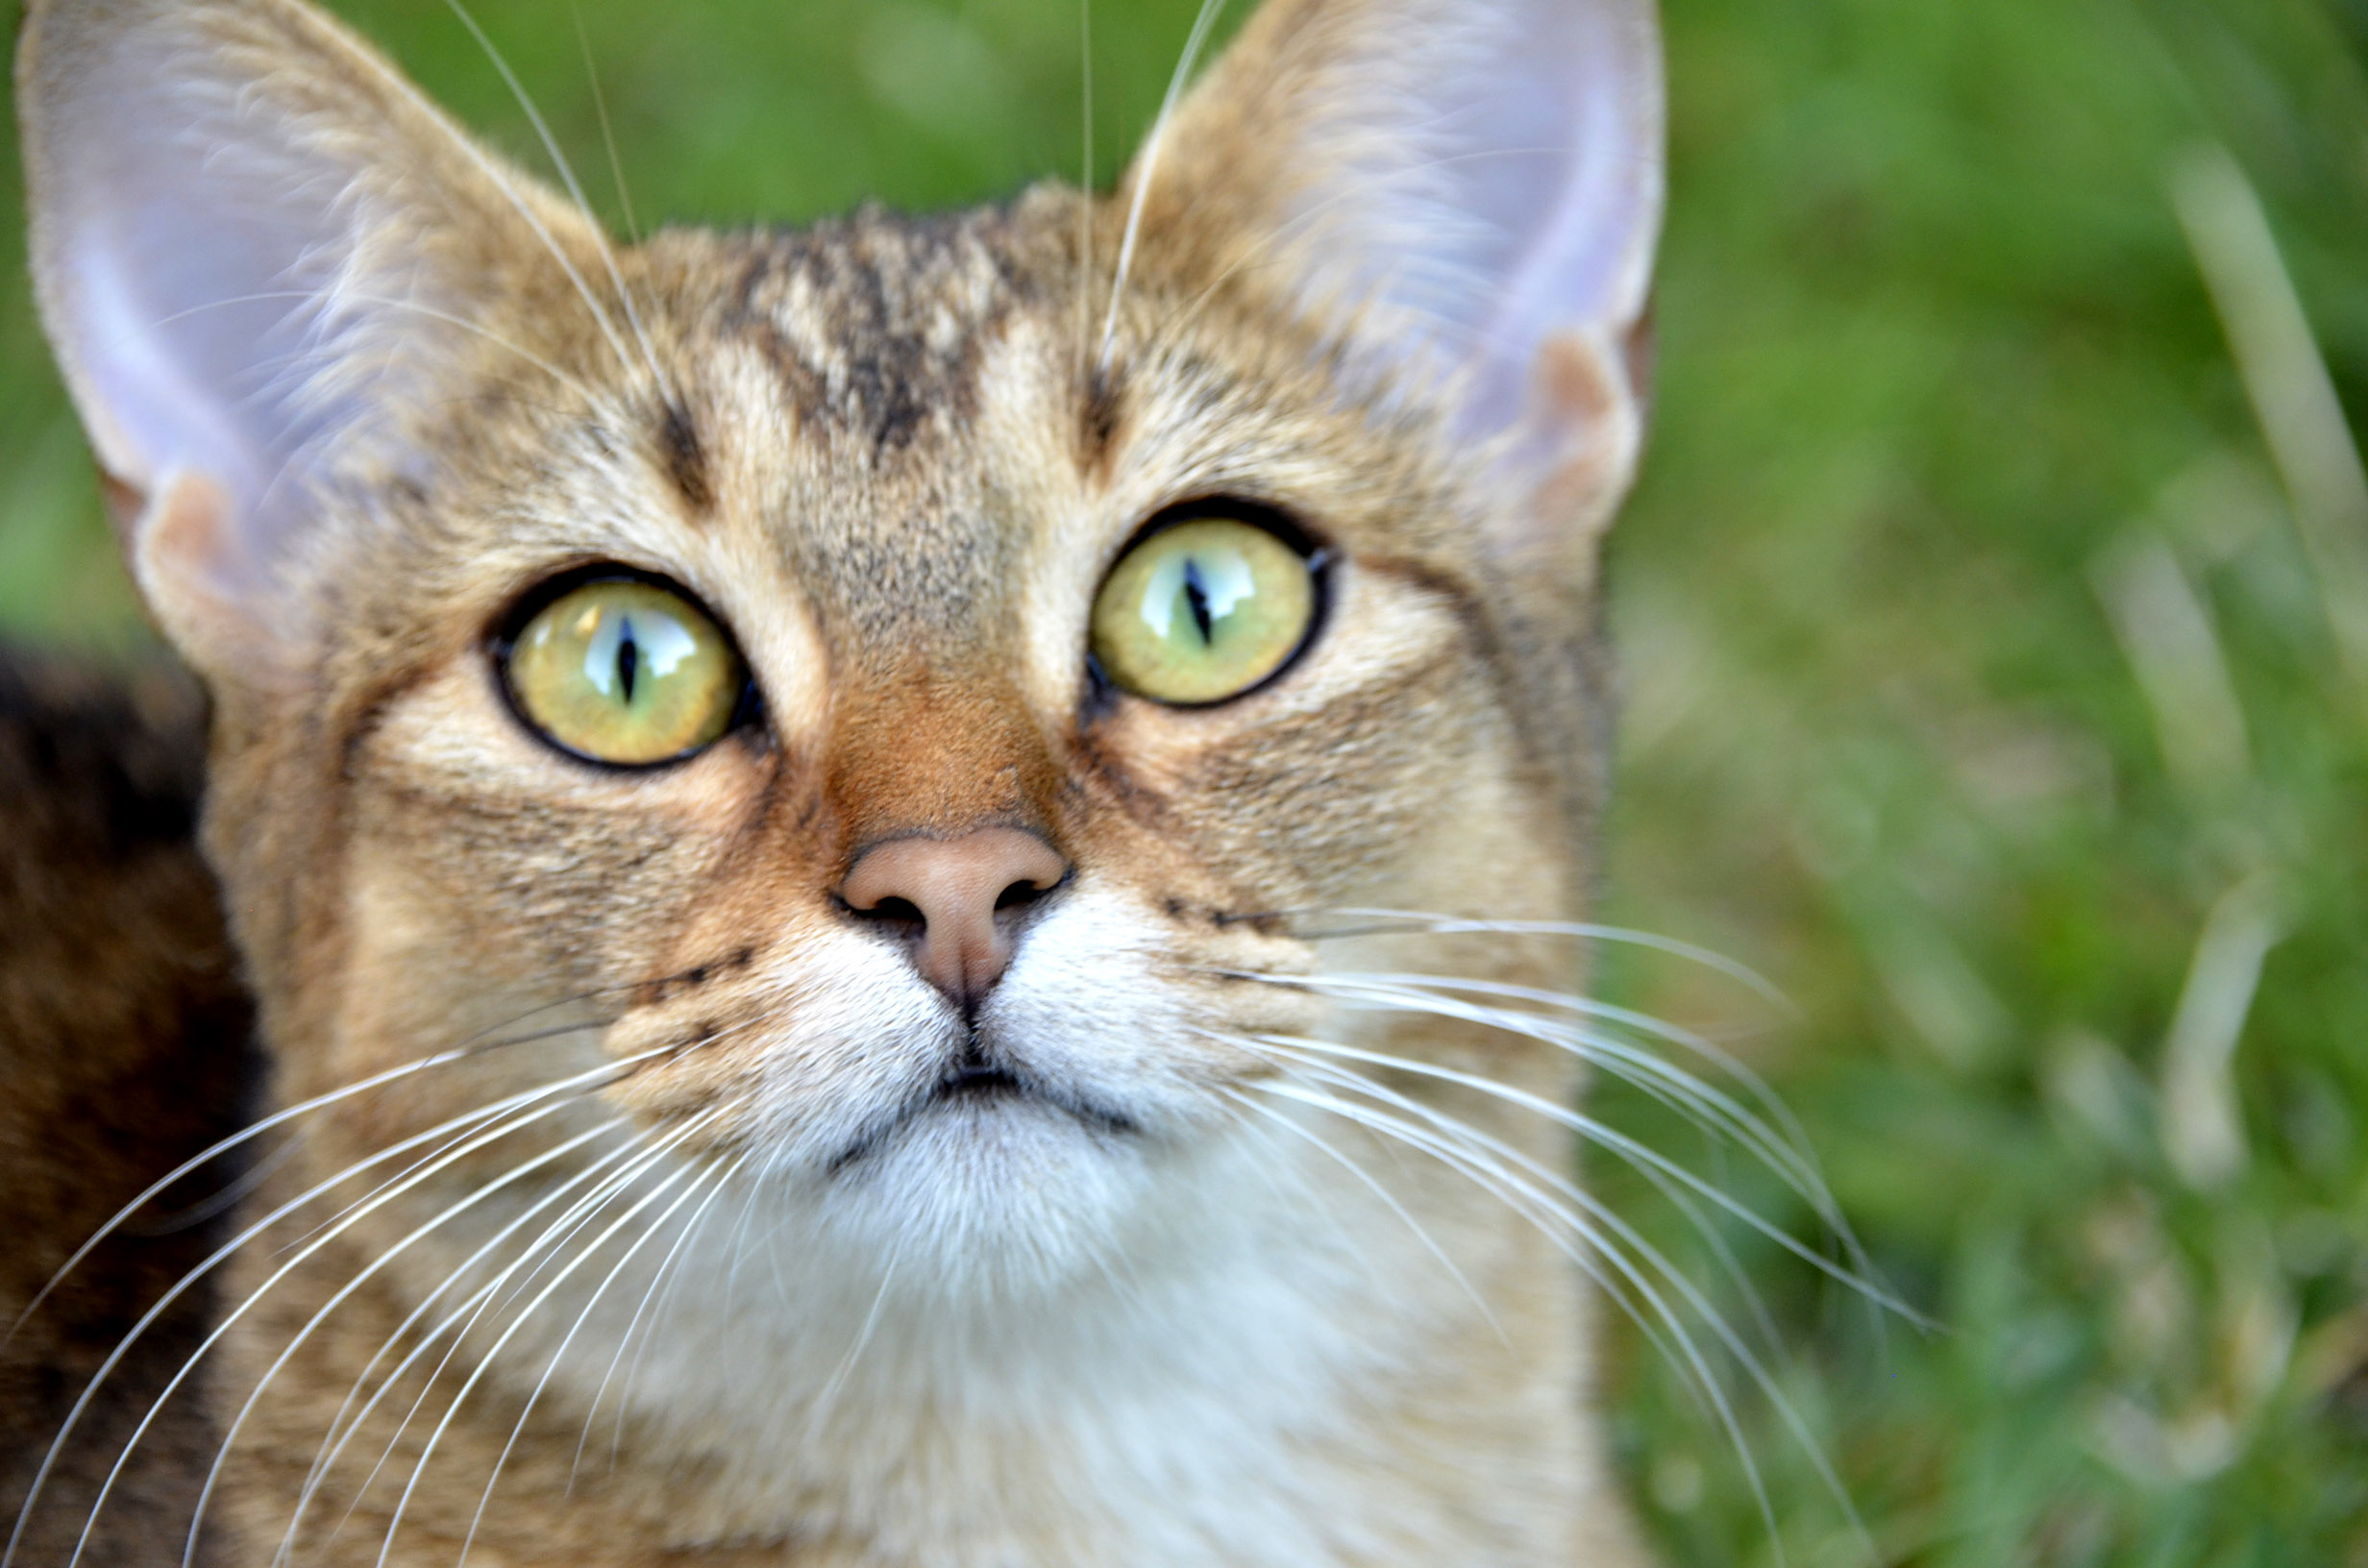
(1983,693)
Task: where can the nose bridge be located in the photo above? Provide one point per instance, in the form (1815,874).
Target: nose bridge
(938,755)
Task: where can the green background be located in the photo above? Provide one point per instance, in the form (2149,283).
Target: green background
(1982,692)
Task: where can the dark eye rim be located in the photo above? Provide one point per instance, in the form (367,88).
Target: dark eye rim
(502,641)
(1310,545)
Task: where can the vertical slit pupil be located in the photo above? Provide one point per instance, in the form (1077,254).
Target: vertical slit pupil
(1196,598)
(629,659)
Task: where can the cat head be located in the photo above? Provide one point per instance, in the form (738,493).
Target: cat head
(907,705)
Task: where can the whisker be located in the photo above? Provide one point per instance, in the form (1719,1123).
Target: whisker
(228,1320)
(1703,1103)
(501,1460)
(664,1273)
(419,1467)
(229,1435)
(182,1286)
(401,87)
(574,190)
(222,1202)
(1584,1257)
(1627,1233)
(490,1300)
(1085,194)
(1640,1155)
(1391,1126)
(466,1050)
(1709,1107)
(323,1460)
(1379,1192)
(1645,1023)
(1428,923)
(1533,1205)
(609,135)
(1148,166)
(822,1404)
(1732,1266)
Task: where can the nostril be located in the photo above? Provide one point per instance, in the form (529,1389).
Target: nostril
(893,911)
(1023,892)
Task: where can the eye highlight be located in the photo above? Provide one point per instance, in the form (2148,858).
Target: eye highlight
(1204,611)
(622,670)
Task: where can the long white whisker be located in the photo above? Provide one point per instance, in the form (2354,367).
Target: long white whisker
(1702,1102)
(231,1319)
(1593,1248)
(187,1282)
(501,1460)
(230,1435)
(1148,166)
(339,1432)
(1300,1067)
(1635,1154)
(1413,1137)
(484,1362)
(1380,1191)
(1085,195)
(490,1300)
(1793,1139)
(659,1278)
(1686,1289)
(1795,1167)
(608,133)
(1429,923)
(228,1320)
(395,83)
(829,1399)
(214,1151)
(567,176)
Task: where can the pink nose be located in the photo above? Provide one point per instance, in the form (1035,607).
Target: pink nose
(959,893)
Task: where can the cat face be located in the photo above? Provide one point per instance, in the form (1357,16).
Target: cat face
(935,919)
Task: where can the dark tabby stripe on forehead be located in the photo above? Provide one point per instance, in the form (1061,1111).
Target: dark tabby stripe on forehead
(686,459)
(876,322)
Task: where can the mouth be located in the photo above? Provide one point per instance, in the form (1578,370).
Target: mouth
(979,1086)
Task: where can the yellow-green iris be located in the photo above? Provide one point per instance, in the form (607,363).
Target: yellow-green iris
(1202,611)
(626,673)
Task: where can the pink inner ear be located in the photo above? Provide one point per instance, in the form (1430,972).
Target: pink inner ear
(186,253)
(1494,169)
(241,221)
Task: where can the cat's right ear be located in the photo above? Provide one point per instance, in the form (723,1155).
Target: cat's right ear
(255,247)
(1466,195)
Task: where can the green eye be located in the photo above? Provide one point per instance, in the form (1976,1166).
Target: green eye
(625,671)
(1203,611)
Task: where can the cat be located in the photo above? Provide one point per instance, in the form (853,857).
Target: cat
(908,885)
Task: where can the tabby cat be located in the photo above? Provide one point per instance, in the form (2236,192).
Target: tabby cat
(907,885)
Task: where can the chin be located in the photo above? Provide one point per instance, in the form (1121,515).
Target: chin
(995,1188)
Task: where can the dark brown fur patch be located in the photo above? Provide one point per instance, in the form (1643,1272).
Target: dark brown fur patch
(686,461)
(123,1043)
(874,322)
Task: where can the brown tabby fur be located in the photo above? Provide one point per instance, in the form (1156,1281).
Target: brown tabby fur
(889,453)
(124,1048)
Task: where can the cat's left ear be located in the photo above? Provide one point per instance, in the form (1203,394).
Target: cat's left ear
(1471,193)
